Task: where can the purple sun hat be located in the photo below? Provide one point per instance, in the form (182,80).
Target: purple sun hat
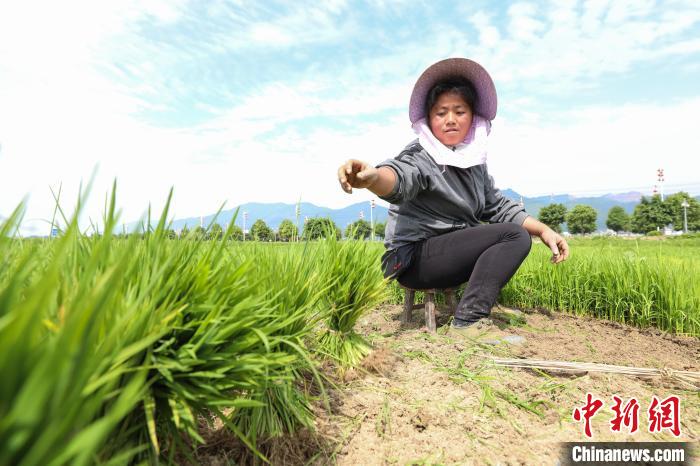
(450,68)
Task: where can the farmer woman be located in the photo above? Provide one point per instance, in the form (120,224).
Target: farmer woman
(440,192)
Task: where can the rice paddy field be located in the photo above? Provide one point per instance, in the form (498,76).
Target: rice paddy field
(642,282)
(151,350)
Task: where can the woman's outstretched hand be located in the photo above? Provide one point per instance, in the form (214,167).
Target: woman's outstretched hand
(356,174)
(555,242)
(551,239)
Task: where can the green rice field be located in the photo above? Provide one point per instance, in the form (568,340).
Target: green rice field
(113,350)
(646,283)
(641,282)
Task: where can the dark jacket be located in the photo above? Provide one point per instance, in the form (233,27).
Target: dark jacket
(430,199)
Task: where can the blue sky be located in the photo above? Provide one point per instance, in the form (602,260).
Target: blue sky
(261,101)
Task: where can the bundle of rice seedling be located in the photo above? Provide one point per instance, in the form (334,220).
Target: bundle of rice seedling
(68,349)
(356,286)
(131,341)
(293,283)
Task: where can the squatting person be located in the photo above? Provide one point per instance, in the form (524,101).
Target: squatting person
(440,192)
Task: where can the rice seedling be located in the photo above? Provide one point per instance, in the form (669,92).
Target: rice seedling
(356,286)
(626,281)
(642,283)
(383,422)
(296,314)
(69,373)
(135,340)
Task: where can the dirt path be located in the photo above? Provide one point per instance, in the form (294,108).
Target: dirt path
(425,398)
(437,399)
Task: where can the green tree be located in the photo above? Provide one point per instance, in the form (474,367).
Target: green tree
(553,216)
(360,229)
(618,220)
(674,207)
(379,228)
(581,219)
(650,214)
(216,232)
(261,232)
(316,227)
(199,233)
(171,234)
(236,234)
(287,230)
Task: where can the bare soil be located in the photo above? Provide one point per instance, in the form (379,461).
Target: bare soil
(423,398)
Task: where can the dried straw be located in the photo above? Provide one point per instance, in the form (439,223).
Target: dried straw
(688,377)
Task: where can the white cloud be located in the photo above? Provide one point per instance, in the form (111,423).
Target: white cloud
(523,25)
(563,48)
(599,149)
(295,25)
(488,33)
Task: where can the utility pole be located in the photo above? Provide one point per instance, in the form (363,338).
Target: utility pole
(371,217)
(685,206)
(660,179)
(245,217)
(298,213)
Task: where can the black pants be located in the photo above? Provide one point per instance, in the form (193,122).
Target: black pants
(486,256)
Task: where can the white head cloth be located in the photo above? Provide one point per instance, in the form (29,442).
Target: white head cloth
(468,153)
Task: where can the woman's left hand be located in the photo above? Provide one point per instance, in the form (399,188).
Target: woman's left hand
(555,242)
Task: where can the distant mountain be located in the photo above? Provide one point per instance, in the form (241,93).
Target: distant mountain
(510,194)
(274,213)
(601,204)
(632,196)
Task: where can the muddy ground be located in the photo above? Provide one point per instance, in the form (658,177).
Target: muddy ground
(424,398)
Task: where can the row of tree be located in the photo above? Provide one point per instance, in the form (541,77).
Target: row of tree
(287,231)
(651,214)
